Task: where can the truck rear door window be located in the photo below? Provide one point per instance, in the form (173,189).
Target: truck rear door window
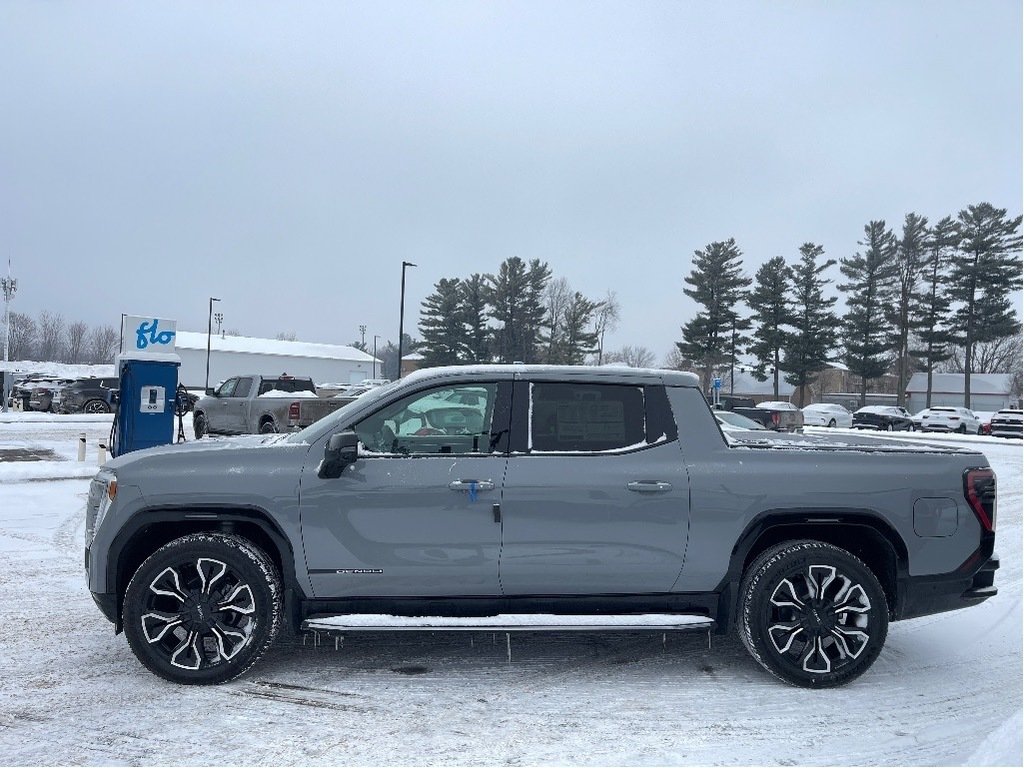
(584,418)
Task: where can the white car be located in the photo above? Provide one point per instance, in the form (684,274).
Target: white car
(1008,423)
(827,415)
(949,419)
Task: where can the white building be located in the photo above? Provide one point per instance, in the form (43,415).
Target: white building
(989,391)
(235,355)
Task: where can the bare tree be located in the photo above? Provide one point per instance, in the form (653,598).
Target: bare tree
(606,318)
(102,344)
(75,349)
(282,336)
(22,337)
(634,357)
(51,336)
(557,295)
(999,356)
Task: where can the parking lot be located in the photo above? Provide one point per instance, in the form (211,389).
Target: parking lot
(946,689)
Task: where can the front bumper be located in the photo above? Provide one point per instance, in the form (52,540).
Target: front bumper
(924,595)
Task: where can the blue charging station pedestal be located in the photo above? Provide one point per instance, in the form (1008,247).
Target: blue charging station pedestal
(145,411)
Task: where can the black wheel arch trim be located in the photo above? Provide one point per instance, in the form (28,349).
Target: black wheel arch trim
(768,520)
(222,517)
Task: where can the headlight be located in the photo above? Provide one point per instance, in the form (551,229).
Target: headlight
(102,491)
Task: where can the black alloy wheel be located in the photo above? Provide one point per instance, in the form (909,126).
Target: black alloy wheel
(203,608)
(812,614)
(95,406)
(832,423)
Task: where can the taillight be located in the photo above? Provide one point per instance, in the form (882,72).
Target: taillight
(980,492)
(775,419)
(293,411)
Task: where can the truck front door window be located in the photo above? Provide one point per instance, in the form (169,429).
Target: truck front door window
(449,420)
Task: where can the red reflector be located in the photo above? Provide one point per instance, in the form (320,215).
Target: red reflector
(775,418)
(293,411)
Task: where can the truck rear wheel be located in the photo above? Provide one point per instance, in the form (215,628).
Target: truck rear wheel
(268,427)
(203,608)
(812,614)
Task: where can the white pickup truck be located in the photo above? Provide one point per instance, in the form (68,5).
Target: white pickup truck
(245,405)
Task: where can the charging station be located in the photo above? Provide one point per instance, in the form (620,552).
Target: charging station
(145,410)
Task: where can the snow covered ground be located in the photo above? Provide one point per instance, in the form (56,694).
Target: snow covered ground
(947,689)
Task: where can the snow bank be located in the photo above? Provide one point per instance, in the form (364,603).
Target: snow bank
(1003,745)
(280,393)
(60,370)
(23,471)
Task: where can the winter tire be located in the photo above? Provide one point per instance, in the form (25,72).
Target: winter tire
(962,429)
(95,406)
(202,609)
(812,614)
(199,425)
(832,423)
(268,427)
(889,427)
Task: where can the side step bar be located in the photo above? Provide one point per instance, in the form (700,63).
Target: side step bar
(508,622)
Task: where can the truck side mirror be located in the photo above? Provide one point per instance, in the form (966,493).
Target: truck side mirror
(342,449)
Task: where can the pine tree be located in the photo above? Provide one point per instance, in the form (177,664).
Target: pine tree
(910,255)
(578,340)
(986,271)
(930,309)
(473,307)
(770,303)
(441,325)
(866,329)
(807,348)
(718,284)
(515,295)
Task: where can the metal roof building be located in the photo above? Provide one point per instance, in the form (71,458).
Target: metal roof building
(989,391)
(234,355)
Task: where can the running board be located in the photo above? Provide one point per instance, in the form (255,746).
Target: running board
(509,622)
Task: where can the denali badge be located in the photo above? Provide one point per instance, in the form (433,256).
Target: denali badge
(360,570)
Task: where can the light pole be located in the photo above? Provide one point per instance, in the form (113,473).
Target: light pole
(209,330)
(375,337)
(10,287)
(401,317)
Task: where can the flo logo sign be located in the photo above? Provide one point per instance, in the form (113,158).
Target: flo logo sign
(150,334)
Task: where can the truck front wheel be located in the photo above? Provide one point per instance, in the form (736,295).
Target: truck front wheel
(203,608)
(812,614)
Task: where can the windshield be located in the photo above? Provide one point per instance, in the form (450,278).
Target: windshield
(306,435)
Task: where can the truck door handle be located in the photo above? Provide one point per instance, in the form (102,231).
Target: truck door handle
(471,485)
(649,487)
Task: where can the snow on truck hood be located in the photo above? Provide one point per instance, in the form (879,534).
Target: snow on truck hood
(205,445)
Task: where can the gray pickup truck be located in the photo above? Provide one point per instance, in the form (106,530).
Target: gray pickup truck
(251,404)
(522,491)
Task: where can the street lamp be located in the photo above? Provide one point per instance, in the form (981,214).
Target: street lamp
(375,337)
(209,330)
(401,317)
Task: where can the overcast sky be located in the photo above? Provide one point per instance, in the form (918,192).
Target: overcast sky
(286,157)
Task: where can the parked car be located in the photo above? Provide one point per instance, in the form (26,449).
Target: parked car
(41,396)
(250,404)
(600,494)
(827,415)
(943,418)
(887,418)
(730,421)
(1007,423)
(779,416)
(91,395)
(22,392)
